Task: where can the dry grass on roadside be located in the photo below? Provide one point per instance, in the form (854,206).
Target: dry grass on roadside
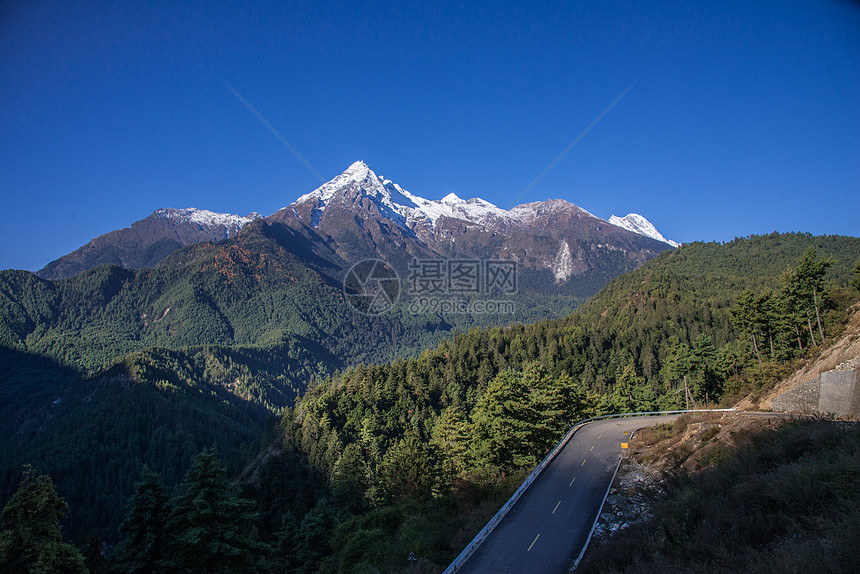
(778,499)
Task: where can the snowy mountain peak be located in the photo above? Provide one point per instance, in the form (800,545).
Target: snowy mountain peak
(359,185)
(206,218)
(358,171)
(397,203)
(638,224)
(360,179)
(359,211)
(546,208)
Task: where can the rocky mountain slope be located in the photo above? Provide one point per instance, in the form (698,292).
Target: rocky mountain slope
(360,215)
(148,241)
(365,215)
(732,493)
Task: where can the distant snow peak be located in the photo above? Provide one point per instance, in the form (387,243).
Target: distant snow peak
(359,184)
(398,204)
(473,209)
(535,209)
(638,224)
(357,173)
(358,167)
(206,218)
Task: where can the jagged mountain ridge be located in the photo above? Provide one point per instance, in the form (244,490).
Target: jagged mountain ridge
(146,242)
(412,211)
(362,215)
(366,215)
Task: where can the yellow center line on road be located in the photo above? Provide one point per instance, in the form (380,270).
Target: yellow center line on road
(598,436)
(592,447)
(533,542)
(556,507)
(583,462)
(571,482)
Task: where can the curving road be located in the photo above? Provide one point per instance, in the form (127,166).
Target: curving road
(551,523)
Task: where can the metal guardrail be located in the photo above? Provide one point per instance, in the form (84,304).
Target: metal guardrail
(495,520)
(485,532)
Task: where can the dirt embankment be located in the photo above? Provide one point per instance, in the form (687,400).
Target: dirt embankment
(751,493)
(656,454)
(697,441)
(844,351)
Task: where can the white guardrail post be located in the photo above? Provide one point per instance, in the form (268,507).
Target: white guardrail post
(485,532)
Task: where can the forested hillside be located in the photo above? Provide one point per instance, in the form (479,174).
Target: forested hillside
(488,404)
(397,456)
(251,291)
(113,368)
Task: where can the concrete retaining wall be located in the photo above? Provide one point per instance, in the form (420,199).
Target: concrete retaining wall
(834,393)
(802,399)
(839,393)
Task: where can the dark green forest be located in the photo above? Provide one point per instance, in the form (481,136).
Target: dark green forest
(490,403)
(381,458)
(113,369)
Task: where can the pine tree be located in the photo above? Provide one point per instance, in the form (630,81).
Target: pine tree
(283,548)
(706,380)
(547,404)
(450,438)
(313,539)
(94,555)
(744,318)
(503,424)
(144,548)
(349,481)
(212,530)
(408,470)
(856,281)
(678,363)
(793,305)
(767,318)
(810,273)
(30,531)
(622,399)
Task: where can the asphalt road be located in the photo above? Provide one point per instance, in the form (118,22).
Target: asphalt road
(546,529)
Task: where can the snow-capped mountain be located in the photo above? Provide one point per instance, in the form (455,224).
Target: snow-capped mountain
(396,203)
(359,214)
(413,211)
(230,223)
(365,215)
(638,224)
(148,241)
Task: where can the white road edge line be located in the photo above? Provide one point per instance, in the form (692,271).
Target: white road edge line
(596,518)
(491,525)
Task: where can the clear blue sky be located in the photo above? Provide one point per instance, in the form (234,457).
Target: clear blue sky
(744,119)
